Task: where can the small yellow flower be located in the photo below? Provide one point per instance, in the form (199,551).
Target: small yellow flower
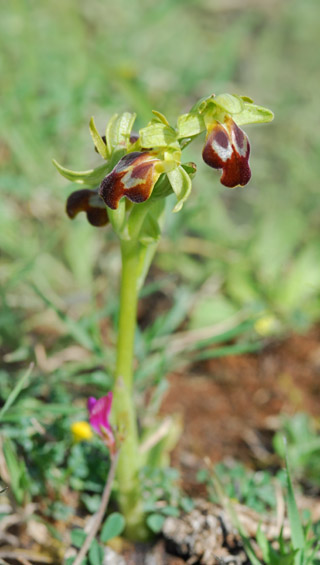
(81,431)
(266,325)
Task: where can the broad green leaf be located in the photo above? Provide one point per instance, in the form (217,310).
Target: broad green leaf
(96,553)
(158,135)
(89,178)
(170,511)
(97,140)
(112,527)
(189,125)
(181,186)
(186,504)
(78,537)
(118,131)
(155,522)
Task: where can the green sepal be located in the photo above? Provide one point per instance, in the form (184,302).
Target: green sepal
(118,131)
(190,168)
(253,114)
(158,135)
(181,185)
(162,188)
(90,178)
(246,99)
(230,103)
(118,217)
(241,108)
(201,105)
(160,117)
(99,144)
(190,124)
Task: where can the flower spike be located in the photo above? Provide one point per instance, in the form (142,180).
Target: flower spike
(134,176)
(88,201)
(227,147)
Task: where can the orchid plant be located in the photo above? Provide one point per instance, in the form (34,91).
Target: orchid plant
(129,191)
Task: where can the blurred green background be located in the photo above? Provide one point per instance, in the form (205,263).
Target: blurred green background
(254,250)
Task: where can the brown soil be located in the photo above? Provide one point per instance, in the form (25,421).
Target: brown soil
(230,406)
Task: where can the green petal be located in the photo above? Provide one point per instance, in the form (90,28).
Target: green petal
(97,140)
(201,105)
(158,135)
(160,117)
(90,178)
(189,125)
(118,131)
(181,186)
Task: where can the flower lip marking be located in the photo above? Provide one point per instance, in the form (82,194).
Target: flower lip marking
(134,176)
(227,147)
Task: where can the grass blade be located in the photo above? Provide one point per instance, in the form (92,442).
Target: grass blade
(297,534)
(16,391)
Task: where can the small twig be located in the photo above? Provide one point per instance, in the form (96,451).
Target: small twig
(24,561)
(182,340)
(98,517)
(27,554)
(158,435)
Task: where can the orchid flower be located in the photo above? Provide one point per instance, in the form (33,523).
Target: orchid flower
(89,201)
(227,147)
(134,176)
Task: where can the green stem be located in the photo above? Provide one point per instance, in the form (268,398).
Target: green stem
(129,491)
